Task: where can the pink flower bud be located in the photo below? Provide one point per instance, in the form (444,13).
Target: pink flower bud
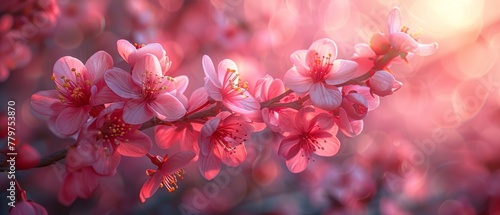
(383,83)
(355,105)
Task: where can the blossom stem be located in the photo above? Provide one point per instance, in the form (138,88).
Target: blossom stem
(275,99)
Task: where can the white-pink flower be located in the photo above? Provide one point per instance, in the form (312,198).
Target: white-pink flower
(147,91)
(317,71)
(224,86)
(132,53)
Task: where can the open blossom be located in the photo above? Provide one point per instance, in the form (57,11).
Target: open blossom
(317,71)
(80,92)
(222,139)
(224,86)
(167,174)
(399,39)
(131,53)
(147,92)
(109,137)
(306,134)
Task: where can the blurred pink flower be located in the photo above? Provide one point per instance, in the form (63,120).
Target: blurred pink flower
(356,103)
(306,134)
(27,207)
(169,169)
(222,139)
(146,91)
(133,53)
(224,86)
(317,71)
(383,83)
(109,137)
(78,183)
(79,89)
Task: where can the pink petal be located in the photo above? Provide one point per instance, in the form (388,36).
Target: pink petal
(276,88)
(297,163)
(394,21)
(209,164)
(296,81)
(190,141)
(176,162)
(244,104)
(23,207)
(147,64)
(106,164)
(328,148)
(321,48)
(206,132)
(289,147)
(46,102)
(97,64)
(363,50)
(325,97)
(349,127)
(71,120)
(104,96)
(342,71)
(125,48)
(167,136)
(425,49)
(63,68)
(86,182)
(168,106)
(234,157)
(298,59)
(223,75)
(197,99)
(403,42)
(212,90)
(154,49)
(181,83)
(4,73)
(121,83)
(209,70)
(150,186)
(136,111)
(134,145)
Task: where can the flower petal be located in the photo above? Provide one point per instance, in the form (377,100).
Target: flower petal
(66,68)
(321,48)
(46,102)
(394,21)
(136,111)
(403,42)
(342,71)
(197,99)
(298,59)
(206,131)
(150,186)
(212,90)
(106,165)
(209,70)
(325,97)
(227,72)
(176,162)
(168,106)
(296,81)
(146,68)
(134,145)
(289,147)
(209,164)
(120,82)
(71,119)
(330,144)
(425,49)
(244,104)
(234,157)
(125,48)
(297,163)
(97,64)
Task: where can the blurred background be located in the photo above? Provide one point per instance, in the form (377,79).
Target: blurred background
(431,148)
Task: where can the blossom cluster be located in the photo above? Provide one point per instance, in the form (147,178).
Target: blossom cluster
(104,108)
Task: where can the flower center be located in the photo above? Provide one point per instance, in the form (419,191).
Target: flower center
(138,46)
(320,67)
(227,134)
(114,130)
(154,84)
(75,92)
(309,144)
(231,83)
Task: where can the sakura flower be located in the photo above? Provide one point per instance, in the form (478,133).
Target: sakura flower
(168,172)
(147,92)
(25,206)
(222,139)
(383,83)
(109,137)
(224,86)
(317,71)
(78,183)
(80,92)
(399,38)
(265,89)
(306,134)
(132,53)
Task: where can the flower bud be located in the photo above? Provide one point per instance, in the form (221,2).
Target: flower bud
(383,83)
(355,105)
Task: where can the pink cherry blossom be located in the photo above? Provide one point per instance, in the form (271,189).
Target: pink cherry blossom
(79,89)
(167,174)
(131,53)
(147,92)
(78,183)
(224,86)
(28,207)
(109,137)
(383,83)
(317,71)
(222,139)
(306,134)
(268,88)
